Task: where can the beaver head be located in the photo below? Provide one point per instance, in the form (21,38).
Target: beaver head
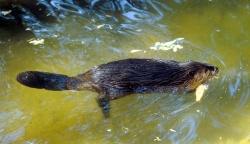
(197,73)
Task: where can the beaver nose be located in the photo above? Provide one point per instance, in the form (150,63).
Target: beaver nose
(215,70)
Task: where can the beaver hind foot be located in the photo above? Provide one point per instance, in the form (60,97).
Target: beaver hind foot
(123,77)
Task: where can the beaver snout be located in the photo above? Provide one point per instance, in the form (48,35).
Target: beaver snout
(216,70)
(213,69)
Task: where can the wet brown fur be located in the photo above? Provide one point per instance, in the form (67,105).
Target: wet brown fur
(120,78)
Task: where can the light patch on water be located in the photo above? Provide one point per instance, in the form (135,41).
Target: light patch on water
(172,130)
(245,140)
(6,12)
(109,130)
(12,136)
(100,26)
(125,130)
(137,50)
(106,26)
(6,120)
(174,45)
(36,41)
(157,139)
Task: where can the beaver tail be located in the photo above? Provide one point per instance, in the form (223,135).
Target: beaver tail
(44,80)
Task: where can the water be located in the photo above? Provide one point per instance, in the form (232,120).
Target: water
(214,31)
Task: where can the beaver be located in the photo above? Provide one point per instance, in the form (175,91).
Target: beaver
(128,76)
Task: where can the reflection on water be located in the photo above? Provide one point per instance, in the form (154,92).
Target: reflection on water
(7,119)
(185,130)
(83,34)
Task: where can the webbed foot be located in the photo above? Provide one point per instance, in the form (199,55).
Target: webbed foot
(104,103)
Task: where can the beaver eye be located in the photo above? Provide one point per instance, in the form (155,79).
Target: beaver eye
(210,68)
(192,73)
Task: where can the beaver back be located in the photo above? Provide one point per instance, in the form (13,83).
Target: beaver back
(137,75)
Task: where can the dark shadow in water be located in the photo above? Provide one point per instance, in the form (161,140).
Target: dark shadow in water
(35,15)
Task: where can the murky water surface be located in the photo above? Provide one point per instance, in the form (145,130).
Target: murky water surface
(215,32)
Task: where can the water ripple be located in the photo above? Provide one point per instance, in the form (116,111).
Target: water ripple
(120,13)
(184,131)
(68,7)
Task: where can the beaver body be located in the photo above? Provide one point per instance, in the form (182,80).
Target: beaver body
(123,77)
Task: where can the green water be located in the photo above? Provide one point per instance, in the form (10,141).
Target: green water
(215,32)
